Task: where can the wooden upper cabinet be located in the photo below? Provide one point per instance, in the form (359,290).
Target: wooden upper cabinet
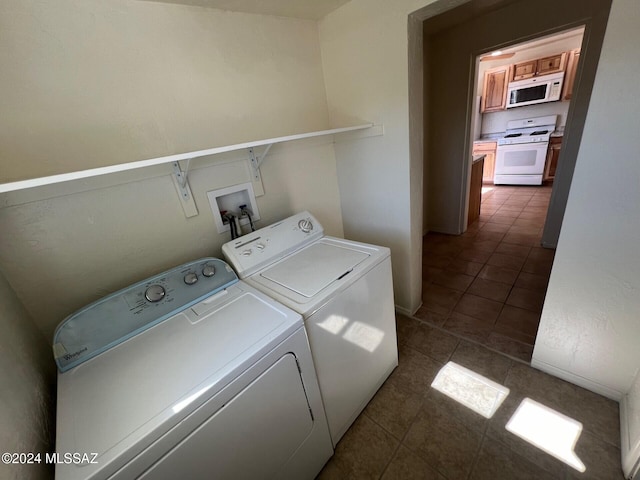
(541,66)
(552,64)
(494,90)
(524,70)
(570,76)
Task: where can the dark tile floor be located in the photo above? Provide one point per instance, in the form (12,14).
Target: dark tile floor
(488,285)
(483,293)
(411,431)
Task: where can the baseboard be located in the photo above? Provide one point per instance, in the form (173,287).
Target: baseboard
(630,462)
(405,311)
(445,230)
(577,380)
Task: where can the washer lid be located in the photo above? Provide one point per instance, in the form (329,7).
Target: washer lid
(312,269)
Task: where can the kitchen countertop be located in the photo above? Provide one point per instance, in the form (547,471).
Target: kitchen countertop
(491,137)
(477,158)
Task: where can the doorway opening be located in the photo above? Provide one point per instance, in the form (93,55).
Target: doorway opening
(496,272)
(505,135)
(485,280)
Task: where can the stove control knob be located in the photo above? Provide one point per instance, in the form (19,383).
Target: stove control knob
(260,246)
(190,278)
(246,253)
(155,293)
(208,271)
(305,225)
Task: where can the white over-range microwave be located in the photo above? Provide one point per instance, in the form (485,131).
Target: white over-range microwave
(530,91)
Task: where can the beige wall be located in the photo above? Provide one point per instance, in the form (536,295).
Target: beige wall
(590,328)
(26,377)
(69,249)
(97,82)
(365,58)
(88,83)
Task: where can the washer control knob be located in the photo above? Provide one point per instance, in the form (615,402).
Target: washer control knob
(190,278)
(260,246)
(305,225)
(208,271)
(246,253)
(155,293)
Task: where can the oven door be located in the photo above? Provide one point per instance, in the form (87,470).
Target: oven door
(524,160)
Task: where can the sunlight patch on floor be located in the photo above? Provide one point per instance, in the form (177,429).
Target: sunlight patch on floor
(550,431)
(471,389)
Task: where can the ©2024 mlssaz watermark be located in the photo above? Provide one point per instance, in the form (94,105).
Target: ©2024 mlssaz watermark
(67,458)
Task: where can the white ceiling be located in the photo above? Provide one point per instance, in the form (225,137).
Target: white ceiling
(545,40)
(310,9)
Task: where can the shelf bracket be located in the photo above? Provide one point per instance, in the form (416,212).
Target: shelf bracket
(180,181)
(256,161)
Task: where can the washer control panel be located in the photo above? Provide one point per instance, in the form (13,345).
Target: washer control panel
(305,225)
(127,312)
(253,251)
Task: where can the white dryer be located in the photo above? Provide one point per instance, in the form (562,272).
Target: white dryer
(189,374)
(344,291)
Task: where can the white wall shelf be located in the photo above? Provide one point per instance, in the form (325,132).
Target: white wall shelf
(94,172)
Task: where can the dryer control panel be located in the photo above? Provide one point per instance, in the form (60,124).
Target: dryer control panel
(113,319)
(253,251)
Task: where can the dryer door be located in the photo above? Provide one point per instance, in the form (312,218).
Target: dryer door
(252,436)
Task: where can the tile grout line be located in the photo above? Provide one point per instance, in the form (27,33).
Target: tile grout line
(520,270)
(448,315)
(476,456)
(401,441)
(466,339)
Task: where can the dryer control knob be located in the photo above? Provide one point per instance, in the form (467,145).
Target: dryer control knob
(260,246)
(246,253)
(209,270)
(190,278)
(305,225)
(155,293)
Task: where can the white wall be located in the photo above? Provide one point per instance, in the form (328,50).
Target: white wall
(95,82)
(590,328)
(26,376)
(364,47)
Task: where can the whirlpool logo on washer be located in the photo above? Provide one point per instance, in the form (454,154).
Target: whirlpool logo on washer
(71,356)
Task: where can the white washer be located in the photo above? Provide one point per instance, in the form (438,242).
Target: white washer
(213,380)
(344,291)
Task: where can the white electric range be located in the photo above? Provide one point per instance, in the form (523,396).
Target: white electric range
(522,152)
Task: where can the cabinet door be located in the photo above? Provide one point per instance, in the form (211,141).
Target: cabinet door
(494,91)
(475,192)
(524,70)
(570,76)
(553,154)
(552,64)
(489,167)
(489,150)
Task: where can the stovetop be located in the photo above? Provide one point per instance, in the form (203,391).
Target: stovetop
(529,130)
